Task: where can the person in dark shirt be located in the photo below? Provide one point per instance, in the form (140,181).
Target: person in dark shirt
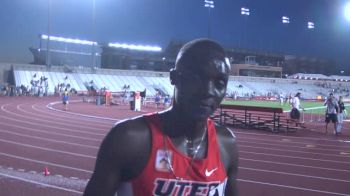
(341,114)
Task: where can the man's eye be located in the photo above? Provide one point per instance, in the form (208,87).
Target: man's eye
(221,83)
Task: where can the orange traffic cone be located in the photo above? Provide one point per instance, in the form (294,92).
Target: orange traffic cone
(46,171)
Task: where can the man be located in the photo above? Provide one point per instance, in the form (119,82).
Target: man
(341,114)
(281,96)
(202,156)
(65,99)
(295,102)
(331,112)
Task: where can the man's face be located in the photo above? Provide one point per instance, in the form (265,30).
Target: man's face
(201,87)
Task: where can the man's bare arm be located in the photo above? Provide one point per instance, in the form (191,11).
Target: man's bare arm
(122,156)
(106,177)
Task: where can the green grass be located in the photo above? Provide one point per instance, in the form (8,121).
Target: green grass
(275,104)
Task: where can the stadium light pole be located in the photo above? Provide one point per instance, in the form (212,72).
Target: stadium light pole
(310,28)
(48,63)
(285,22)
(210,5)
(93,32)
(245,12)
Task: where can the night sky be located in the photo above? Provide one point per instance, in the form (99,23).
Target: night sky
(156,22)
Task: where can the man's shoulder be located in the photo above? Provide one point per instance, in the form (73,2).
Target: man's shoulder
(225,135)
(130,135)
(133,127)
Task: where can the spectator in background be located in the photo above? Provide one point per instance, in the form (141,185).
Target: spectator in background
(331,112)
(65,99)
(295,103)
(157,98)
(180,150)
(167,101)
(281,97)
(341,115)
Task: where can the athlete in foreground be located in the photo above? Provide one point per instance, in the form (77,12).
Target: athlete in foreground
(179,151)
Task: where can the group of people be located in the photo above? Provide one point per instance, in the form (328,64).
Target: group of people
(335,111)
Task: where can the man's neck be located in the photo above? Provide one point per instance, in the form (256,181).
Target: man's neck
(176,124)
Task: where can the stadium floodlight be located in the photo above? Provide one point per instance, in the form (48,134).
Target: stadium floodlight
(285,20)
(68,40)
(136,47)
(347,11)
(245,11)
(310,25)
(209,4)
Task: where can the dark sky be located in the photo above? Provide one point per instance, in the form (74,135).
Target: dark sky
(156,22)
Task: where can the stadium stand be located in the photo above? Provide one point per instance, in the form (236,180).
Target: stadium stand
(135,80)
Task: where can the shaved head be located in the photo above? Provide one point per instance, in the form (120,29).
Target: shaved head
(197,52)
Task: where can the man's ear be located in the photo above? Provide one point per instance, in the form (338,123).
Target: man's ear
(173,76)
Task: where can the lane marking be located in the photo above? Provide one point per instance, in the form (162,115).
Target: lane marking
(78,114)
(39,183)
(293,174)
(294,157)
(293,151)
(310,146)
(47,139)
(279,144)
(47,111)
(280,136)
(50,121)
(44,162)
(295,165)
(49,149)
(49,132)
(49,126)
(292,187)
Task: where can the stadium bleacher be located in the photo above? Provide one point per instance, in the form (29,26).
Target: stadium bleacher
(115,80)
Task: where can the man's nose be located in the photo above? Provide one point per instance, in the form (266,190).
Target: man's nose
(209,88)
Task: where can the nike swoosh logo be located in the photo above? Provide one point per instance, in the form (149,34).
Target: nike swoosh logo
(209,173)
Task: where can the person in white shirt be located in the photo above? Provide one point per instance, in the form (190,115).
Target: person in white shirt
(332,108)
(281,98)
(295,102)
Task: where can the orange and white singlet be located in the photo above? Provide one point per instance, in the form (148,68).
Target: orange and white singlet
(206,178)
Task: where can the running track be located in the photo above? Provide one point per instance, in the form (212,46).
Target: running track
(35,134)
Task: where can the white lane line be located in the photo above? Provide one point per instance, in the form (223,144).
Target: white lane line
(94,122)
(305,146)
(296,165)
(281,136)
(48,126)
(48,149)
(78,114)
(53,127)
(51,121)
(47,139)
(294,157)
(49,132)
(288,141)
(293,187)
(294,174)
(42,184)
(43,162)
(293,151)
